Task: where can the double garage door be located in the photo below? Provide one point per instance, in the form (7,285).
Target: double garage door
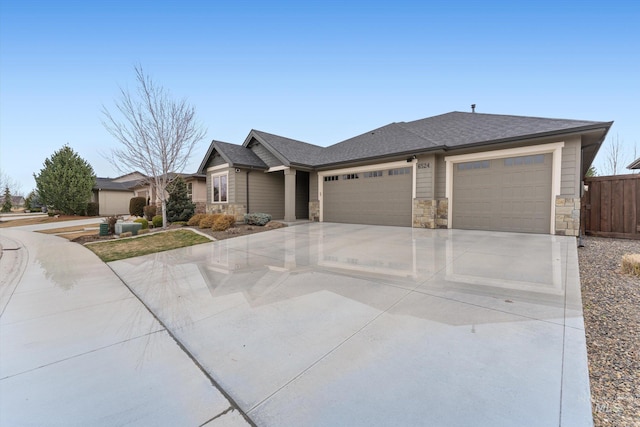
(380,197)
(509,194)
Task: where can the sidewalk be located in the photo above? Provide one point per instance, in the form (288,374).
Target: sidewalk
(78,348)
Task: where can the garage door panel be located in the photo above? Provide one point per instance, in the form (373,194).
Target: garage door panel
(504,194)
(377,200)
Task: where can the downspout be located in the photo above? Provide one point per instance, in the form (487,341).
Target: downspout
(582,220)
(247,182)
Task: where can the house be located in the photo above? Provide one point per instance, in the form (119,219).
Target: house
(455,170)
(114,194)
(635,164)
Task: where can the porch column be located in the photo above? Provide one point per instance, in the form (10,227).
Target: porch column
(289,195)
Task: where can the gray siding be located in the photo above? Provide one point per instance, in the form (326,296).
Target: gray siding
(240,186)
(424,177)
(570,176)
(440,173)
(216,160)
(313,186)
(266,193)
(265,155)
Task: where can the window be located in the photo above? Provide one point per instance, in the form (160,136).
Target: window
(482,164)
(190,190)
(399,171)
(373,174)
(219,188)
(331,178)
(524,160)
(350,176)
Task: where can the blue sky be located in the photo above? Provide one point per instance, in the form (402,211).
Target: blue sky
(319,72)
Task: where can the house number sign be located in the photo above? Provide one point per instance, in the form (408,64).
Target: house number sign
(423,165)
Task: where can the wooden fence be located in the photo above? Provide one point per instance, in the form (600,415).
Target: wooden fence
(611,206)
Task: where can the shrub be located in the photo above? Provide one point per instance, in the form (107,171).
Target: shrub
(208,220)
(112,224)
(195,220)
(257,218)
(157,221)
(93,209)
(149,212)
(144,231)
(144,222)
(179,206)
(126,234)
(136,206)
(631,264)
(223,222)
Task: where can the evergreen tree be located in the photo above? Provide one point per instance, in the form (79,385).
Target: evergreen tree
(179,206)
(65,182)
(7,205)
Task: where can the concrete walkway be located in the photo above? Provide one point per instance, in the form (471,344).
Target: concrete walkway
(78,348)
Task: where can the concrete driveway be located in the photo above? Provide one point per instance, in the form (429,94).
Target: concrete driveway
(334,324)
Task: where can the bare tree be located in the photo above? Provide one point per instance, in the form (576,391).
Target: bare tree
(157,134)
(614,156)
(12,184)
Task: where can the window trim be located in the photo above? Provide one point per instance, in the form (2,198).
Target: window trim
(213,177)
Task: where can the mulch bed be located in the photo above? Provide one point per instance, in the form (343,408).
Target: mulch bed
(238,230)
(611,304)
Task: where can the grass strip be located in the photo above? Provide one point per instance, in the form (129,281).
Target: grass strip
(115,250)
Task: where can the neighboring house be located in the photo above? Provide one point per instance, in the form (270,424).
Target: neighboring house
(114,194)
(456,170)
(635,164)
(16,201)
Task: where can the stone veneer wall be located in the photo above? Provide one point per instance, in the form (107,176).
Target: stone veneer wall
(430,213)
(201,207)
(567,216)
(235,209)
(314,210)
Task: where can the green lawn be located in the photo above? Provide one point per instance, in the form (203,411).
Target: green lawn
(156,242)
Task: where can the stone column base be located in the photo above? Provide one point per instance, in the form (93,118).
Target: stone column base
(567,216)
(430,213)
(314,210)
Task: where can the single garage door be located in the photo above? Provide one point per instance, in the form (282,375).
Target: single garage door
(381,197)
(512,194)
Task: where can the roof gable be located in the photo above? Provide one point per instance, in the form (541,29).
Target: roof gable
(288,151)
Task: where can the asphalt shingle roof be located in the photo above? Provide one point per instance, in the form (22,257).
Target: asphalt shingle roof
(108,184)
(296,152)
(237,155)
(446,131)
(443,132)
